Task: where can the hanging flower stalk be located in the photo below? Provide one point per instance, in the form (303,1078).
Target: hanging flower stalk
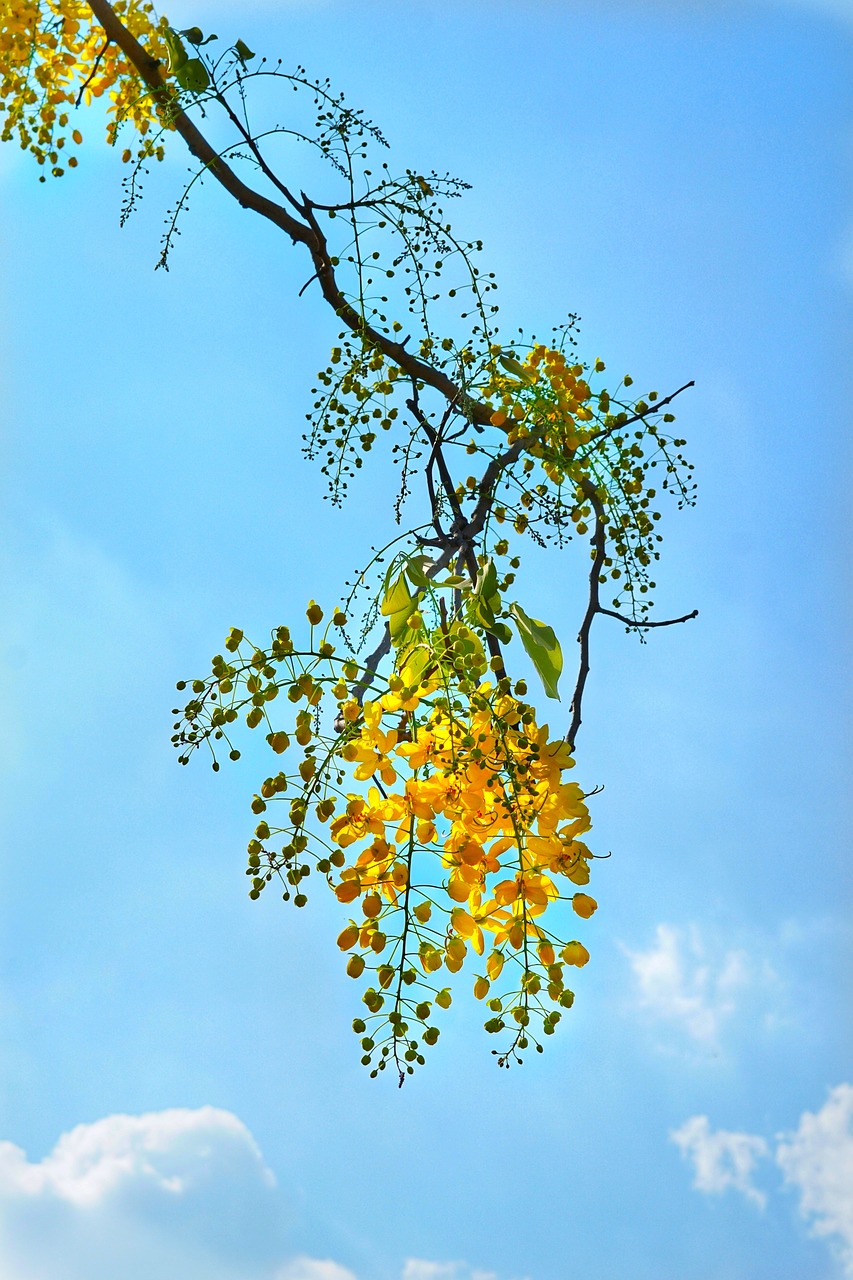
(414,778)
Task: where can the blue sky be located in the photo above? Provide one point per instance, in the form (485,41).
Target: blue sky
(179,1090)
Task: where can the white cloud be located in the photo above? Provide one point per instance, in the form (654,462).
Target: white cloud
(818,1160)
(313,1269)
(171,1193)
(721,1160)
(419,1269)
(171,1151)
(680,983)
(178,1192)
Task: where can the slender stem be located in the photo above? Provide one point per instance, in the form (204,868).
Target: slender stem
(638,417)
(599,544)
(85,85)
(633,622)
(403,939)
(152,74)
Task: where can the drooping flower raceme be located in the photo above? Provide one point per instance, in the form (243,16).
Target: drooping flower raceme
(53,56)
(417,782)
(439,813)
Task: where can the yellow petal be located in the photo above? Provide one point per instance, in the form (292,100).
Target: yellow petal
(584,905)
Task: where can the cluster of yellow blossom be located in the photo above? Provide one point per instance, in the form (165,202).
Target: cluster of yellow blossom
(53,54)
(467,847)
(544,394)
(438,810)
(598,451)
(485,794)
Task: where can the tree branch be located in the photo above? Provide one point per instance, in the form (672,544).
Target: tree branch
(632,622)
(599,542)
(638,417)
(493,471)
(151,72)
(90,77)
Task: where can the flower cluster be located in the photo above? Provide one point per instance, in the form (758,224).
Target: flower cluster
(53,55)
(430,800)
(604,458)
(441,816)
(547,397)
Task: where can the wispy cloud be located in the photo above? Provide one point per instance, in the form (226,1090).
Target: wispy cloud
(721,1160)
(314,1269)
(419,1269)
(817,1159)
(687,984)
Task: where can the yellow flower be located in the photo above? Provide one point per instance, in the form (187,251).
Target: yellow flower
(358,820)
(575,953)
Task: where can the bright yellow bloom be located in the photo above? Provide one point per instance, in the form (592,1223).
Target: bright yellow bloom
(51,51)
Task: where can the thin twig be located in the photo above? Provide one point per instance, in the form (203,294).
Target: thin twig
(599,542)
(638,417)
(633,622)
(85,85)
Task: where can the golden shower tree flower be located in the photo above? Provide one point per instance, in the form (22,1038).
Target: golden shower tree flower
(415,779)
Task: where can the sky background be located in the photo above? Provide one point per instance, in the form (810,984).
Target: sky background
(180,1094)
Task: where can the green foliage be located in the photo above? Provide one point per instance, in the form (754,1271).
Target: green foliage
(427,796)
(542,647)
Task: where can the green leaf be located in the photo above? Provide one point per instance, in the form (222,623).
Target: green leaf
(487,581)
(192,76)
(416,567)
(398,606)
(480,612)
(484,603)
(543,649)
(177,53)
(417,660)
(516,368)
(243,52)
(195,35)
(397,596)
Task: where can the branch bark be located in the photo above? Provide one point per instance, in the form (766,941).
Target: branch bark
(307,233)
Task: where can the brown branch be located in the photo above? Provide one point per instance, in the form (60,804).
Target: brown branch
(256,152)
(599,542)
(638,417)
(633,622)
(151,72)
(493,471)
(90,77)
(462,532)
(594,606)
(437,455)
